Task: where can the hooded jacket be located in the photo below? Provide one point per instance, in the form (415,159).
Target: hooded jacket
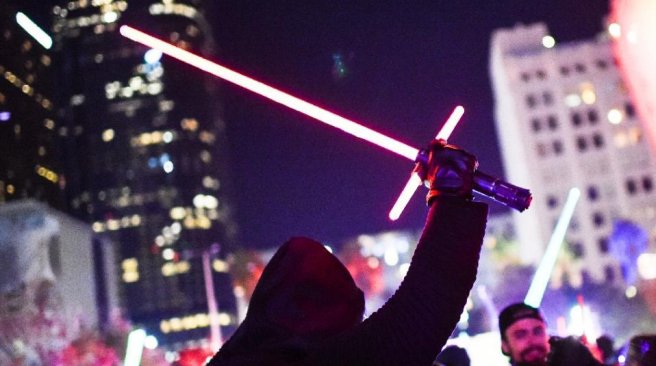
(306,309)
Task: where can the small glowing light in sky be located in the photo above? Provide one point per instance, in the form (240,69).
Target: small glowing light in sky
(34,30)
(152,56)
(548,41)
(615,30)
(615,116)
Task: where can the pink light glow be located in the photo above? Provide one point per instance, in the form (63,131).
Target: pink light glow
(273,94)
(633,31)
(415,181)
(404,197)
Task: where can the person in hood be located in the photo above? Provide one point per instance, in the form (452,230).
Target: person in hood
(307,310)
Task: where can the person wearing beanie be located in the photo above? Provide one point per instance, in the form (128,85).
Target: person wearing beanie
(524,339)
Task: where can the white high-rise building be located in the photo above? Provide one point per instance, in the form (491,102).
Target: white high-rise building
(565,120)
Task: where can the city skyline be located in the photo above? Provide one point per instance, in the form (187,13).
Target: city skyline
(397,69)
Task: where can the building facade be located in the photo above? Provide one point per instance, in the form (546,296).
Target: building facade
(145,157)
(565,120)
(28,155)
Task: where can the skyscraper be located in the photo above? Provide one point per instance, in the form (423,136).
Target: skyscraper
(144,153)
(28,154)
(565,120)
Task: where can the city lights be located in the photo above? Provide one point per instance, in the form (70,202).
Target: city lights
(34,30)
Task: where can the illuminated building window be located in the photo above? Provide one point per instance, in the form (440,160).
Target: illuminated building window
(602,243)
(577,249)
(576,119)
(593,117)
(536,125)
(629,110)
(531,102)
(631,186)
(598,140)
(581,143)
(552,122)
(593,193)
(647,184)
(598,219)
(609,273)
(552,201)
(558,147)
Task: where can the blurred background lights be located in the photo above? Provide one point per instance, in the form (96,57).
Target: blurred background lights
(647,266)
(5,116)
(631,292)
(548,41)
(151,342)
(615,116)
(168,167)
(615,30)
(152,56)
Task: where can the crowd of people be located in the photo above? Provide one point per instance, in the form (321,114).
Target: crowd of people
(307,310)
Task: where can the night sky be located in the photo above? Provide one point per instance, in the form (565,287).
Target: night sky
(399,67)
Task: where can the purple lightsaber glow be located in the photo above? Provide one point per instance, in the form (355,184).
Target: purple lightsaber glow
(497,189)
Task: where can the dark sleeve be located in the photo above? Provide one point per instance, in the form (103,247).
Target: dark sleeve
(414,324)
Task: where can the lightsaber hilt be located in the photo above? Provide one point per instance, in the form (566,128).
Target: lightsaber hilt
(495,188)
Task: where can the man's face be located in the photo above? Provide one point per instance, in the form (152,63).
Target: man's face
(526,342)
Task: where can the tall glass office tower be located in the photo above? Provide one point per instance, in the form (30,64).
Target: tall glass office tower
(144,154)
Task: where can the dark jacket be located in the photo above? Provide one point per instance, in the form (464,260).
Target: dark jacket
(306,309)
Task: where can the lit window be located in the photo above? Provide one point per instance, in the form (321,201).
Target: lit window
(615,116)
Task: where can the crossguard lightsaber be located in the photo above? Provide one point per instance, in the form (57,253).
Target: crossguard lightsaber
(506,193)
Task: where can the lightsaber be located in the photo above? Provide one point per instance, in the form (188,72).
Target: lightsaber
(415,181)
(276,95)
(543,273)
(506,193)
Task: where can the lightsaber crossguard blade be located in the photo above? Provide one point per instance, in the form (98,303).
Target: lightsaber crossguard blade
(507,194)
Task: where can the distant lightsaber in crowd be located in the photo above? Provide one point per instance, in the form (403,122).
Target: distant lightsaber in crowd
(545,268)
(415,181)
(512,196)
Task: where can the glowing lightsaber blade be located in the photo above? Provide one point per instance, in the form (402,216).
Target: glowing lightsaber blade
(271,93)
(543,273)
(415,181)
(506,193)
